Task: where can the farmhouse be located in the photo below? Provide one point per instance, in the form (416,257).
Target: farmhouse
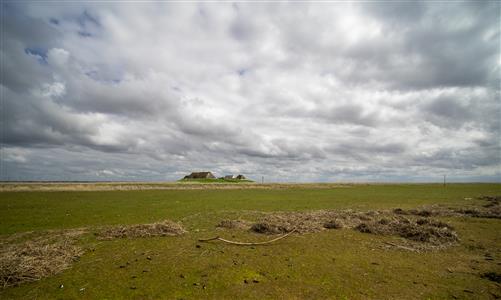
(200,175)
(232,177)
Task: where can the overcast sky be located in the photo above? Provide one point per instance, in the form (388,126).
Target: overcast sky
(384,91)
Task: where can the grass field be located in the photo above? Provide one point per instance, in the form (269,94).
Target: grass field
(332,264)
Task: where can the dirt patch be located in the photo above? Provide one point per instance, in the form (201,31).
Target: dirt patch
(40,257)
(165,228)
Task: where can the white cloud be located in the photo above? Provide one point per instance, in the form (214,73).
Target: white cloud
(15,155)
(292,91)
(58,57)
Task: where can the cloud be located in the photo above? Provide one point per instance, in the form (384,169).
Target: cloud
(289,91)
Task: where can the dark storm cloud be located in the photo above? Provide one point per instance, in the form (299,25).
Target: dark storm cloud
(292,91)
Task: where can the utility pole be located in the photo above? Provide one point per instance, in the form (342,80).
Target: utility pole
(262,179)
(444,179)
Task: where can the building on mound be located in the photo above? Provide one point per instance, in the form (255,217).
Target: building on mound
(233,177)
(200,175)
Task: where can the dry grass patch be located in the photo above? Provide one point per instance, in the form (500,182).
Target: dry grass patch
(270,228)
(415,226)
(424,230)
(418,212)
(36,258)
(164,228)
(30,256)
(492,209)
(314,221)
(421,230)
(334,224)
(234,224)
(139,186)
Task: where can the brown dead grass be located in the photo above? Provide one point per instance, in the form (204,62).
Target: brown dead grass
(423,230)
(164,228)
(418,212)
(416,226)
(422,233)
(334,224)
(234,224)
(314,221)
(31,256)
(492,209)
(30,260)
(139,186)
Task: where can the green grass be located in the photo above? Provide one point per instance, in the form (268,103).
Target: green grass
(334,264)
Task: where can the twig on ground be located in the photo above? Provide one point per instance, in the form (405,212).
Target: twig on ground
(247,243)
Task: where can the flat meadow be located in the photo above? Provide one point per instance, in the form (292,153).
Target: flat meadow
(388,241)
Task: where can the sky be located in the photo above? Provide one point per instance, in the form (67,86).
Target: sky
(292,91)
